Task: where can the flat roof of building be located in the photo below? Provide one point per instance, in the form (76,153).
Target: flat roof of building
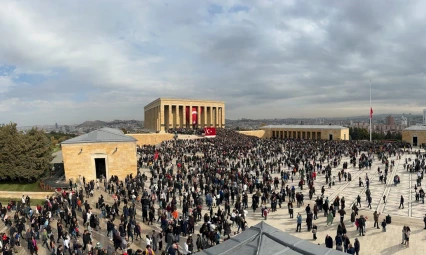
(102,135)
(416,128)
(325,127)
(183,100)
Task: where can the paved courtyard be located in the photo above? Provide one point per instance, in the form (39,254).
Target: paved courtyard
(374,242)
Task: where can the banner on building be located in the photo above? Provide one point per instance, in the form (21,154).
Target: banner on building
(194,114)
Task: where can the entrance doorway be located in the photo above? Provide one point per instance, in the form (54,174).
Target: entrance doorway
(100,168)
(414,140)
(330,137)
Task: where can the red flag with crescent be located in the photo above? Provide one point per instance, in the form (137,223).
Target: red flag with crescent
(156,155)
(209,131)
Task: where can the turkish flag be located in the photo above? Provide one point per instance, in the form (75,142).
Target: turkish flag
(371,113)
(156,155)
(194,113)
(209,131)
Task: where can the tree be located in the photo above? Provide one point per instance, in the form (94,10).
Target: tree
(388,135)
(58,137)
(358,133)
(23,157)
(397,136)
(378,136)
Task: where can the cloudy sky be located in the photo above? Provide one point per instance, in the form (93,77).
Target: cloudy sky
(71,61)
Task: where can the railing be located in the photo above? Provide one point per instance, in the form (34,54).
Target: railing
(44,186)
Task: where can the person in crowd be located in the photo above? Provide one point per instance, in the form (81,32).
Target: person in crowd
(203,187)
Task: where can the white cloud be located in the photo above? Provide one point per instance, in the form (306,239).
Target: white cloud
(5,83)
(109,58)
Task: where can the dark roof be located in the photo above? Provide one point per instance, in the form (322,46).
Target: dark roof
(266,240)
(101,136)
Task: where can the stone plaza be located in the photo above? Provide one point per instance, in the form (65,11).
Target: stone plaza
(374,242)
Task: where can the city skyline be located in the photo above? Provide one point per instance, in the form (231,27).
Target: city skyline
(68,62)
(376,120)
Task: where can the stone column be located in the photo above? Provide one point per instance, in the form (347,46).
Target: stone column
(153,113)
(156,117)
(190,116)
(152,118)
(162,119)
(178,116)
(145,118)
(170,117)
(223,116)
(216,113)
(204,116)
(211,116)
(198,116)
(184,116)
(219,119)
(147,122)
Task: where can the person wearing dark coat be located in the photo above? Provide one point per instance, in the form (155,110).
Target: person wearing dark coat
(329,242)
(357,246)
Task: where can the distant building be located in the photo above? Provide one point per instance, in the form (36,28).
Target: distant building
(390,121)
(380,128)
(309,132)
(404,121)
(424,116)
(56,125)
(166,113)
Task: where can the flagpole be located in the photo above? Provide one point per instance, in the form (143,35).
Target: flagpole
(371,117)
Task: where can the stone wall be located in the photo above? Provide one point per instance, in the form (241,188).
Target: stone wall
(344,134)
(257,133)
(120,159)
(338,134)
(407,136)
(151,139)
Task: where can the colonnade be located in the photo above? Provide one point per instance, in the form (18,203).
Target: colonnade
(313,135)
(162,116)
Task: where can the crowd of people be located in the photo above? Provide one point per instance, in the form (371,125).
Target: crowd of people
(186,131)
(199,191)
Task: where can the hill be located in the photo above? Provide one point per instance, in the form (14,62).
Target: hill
(92,124)
(130,125)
